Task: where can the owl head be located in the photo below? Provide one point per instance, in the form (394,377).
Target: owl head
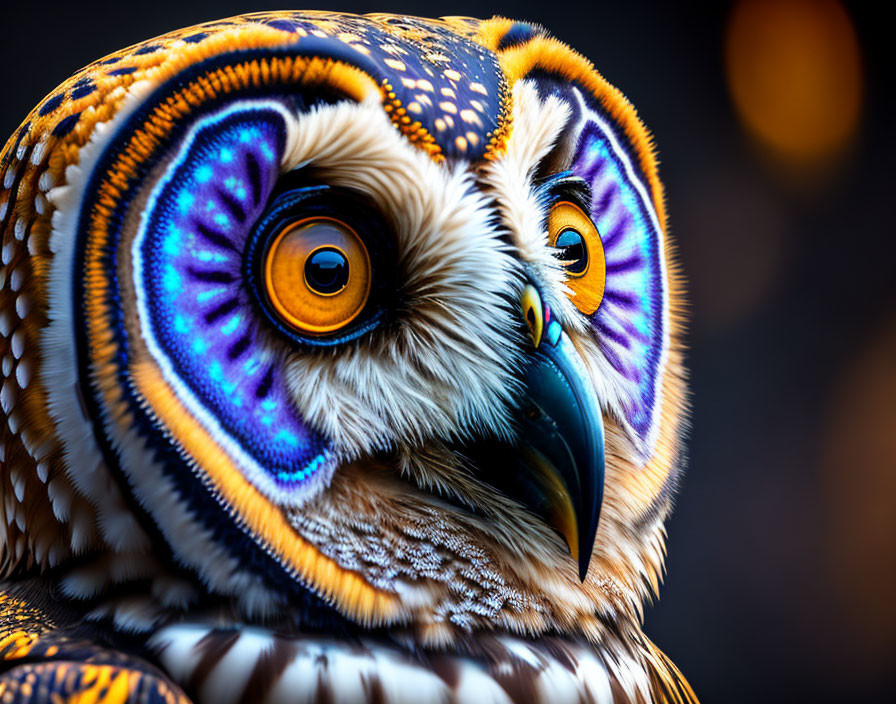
(320,319)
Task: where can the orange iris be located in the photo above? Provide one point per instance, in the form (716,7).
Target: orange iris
(317,274)
(581,251)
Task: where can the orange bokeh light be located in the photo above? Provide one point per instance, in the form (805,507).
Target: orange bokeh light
(795,77)
(859,479)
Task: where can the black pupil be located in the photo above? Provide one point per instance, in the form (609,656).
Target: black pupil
(572,251)
(326,270)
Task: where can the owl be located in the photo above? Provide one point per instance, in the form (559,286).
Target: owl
(341,362)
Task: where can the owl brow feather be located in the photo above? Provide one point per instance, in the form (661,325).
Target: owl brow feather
(563,185)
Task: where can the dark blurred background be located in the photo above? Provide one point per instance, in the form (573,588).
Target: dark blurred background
(775,127)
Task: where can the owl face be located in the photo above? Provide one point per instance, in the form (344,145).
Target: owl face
(364,316)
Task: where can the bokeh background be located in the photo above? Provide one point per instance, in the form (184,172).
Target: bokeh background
(774,122)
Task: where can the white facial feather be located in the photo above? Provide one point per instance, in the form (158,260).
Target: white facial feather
(537,125)
(444,367)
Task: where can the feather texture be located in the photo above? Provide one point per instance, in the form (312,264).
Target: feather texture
(279,513)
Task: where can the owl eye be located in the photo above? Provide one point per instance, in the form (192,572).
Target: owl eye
(317,275)
(320,263)
(581,252)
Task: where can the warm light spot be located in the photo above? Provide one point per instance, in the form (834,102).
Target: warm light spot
(737,244)
(794,72)
(858,448)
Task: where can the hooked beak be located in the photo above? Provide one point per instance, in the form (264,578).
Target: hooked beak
(561,447)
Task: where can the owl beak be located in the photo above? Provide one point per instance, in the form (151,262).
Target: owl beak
(562,435)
